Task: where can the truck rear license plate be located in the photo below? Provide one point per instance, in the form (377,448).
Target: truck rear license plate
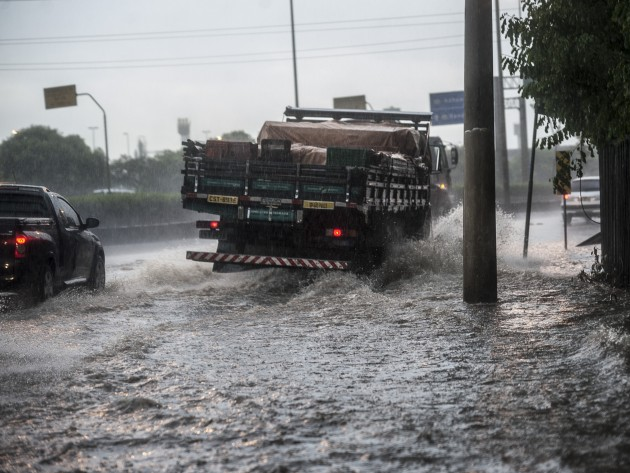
(223,199)
(319,205)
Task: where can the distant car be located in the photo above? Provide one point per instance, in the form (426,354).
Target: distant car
(45,244)
(583,201)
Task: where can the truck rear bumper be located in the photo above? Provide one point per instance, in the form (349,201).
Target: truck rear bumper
(267,261)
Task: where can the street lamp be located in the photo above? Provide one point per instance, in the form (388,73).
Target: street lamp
(127,135)
(295,80)
(66,96)
(93,128)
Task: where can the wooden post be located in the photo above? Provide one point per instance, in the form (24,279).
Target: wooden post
(480,255)
(530,188)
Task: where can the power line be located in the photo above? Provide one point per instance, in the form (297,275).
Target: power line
(226,55)
(215,63)
(228,31)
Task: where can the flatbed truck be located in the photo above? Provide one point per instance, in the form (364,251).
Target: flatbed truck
(324,189)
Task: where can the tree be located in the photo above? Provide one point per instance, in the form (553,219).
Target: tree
(237,135)
(575,57)
(41,156)
(161,173)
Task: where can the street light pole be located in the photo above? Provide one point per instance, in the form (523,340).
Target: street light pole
(109,184)
(127,136)
(93,128)
(295,81)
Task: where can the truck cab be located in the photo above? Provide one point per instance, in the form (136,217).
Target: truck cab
(444,158)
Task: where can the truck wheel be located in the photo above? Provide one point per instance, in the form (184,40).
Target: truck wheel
(96,281)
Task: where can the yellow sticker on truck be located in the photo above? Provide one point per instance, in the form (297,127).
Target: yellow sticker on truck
(223,199)
(318,205)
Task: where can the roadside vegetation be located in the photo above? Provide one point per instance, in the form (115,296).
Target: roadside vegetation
(65,164)
(140,208)
(573,57)
(41,156)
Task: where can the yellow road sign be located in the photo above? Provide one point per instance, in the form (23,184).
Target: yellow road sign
(562,180)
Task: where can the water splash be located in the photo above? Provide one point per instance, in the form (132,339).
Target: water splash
(443,251)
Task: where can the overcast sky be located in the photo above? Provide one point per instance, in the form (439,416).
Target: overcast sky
(222,64)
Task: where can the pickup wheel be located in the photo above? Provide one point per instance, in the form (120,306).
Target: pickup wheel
(96,281)
(43,284)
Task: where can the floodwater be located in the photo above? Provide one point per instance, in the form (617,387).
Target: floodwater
(177,369)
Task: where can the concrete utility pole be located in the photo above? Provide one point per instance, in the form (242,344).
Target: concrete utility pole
(480,246)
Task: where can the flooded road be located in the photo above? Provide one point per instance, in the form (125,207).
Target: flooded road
(177,369)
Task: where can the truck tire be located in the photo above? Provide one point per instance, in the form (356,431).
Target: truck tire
(96,280)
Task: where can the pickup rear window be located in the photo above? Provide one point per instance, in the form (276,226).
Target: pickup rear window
(22,205)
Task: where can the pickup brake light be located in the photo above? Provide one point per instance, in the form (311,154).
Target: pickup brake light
(20,246)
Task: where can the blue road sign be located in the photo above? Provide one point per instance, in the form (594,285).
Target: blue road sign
(447,108)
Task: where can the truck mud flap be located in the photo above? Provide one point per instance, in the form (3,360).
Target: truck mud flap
(267,261)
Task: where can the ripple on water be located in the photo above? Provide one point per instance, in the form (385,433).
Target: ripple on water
(175,368)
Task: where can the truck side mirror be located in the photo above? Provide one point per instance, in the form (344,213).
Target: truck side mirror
(454,156)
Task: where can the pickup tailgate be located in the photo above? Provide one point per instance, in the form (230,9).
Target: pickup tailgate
(17,237)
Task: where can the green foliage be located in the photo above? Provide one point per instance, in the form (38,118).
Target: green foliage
(597,273)
(161,173)
(575,58)
(237,135)
(41,156)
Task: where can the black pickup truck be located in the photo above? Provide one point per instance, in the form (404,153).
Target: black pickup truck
(45,245)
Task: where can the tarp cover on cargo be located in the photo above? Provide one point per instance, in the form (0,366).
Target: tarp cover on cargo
(304,154)
(348,134)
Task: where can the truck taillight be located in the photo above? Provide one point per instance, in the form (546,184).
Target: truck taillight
(20,246)
(212,224)
(336,232)
(341,233)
